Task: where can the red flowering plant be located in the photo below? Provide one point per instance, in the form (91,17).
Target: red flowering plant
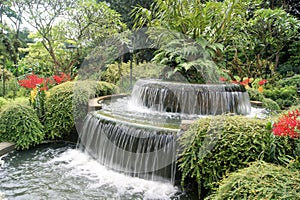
(288,125)
(245,82)
(38,87)
(261,83)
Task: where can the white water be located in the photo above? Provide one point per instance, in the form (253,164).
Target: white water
(81,165)
(204,99)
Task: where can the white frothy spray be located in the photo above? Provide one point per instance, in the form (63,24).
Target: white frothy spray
(80,164)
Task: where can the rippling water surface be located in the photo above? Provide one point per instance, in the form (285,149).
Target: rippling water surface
(62,172)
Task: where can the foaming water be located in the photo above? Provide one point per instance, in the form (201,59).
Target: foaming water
(80,164)
(67,173)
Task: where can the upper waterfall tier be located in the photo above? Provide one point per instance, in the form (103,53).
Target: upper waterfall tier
(200,99)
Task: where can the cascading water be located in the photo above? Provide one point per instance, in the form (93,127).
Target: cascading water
(137,150)
(200,99)
(137,135)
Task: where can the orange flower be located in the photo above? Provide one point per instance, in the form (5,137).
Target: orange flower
(260,89)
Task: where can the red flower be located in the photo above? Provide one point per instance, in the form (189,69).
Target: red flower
(44,88)
(223,79)
(31,82)
(62,78)
(245,82)
(288,125)
(262,82)
(57,79)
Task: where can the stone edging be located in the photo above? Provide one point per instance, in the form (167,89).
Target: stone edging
(6,147)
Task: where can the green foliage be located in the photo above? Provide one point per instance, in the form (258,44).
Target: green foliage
(256,44)
(255,95)
(291,81)
(211,20)
(192,59)
(104,88)
(3,102)
(37,59)
(115,71)
(270,105)
(216,146)
(67,102)
(284,96)
(65,43)
(119,74)
(292,65)
(7,74)
(125,8)
(20,124)
(10,87)
(20,100)
(284,91)
(260,181)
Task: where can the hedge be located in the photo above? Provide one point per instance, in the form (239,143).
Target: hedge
(215,146)
(260,180)
(19,123)
(68,101)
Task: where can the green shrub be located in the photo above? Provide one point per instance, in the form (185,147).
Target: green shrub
(270,105)
(255,95)
(115,71)
(291,81)
(141,71)
(68,101)
(260,181)
(216,146)
(20,124)
(7,74)
(3,102)
(284,96)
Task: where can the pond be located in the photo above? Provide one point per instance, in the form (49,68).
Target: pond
(60,171)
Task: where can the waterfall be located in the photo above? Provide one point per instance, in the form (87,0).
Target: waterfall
(200,99)
(131,135)
(137,150)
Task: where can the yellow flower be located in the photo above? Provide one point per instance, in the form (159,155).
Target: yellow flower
(33,94)
(47,94)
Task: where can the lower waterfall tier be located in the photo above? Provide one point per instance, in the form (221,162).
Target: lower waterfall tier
(133,149)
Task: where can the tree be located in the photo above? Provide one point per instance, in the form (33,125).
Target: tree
(69,29)
(207,23)
(125,8)
(10,15)
(257,45)
(194,18)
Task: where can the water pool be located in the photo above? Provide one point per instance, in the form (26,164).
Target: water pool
(60,171)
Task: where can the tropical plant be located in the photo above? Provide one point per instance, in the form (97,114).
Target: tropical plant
(192,59)
(270,105)
(210,20)
(3,102)
(284,96)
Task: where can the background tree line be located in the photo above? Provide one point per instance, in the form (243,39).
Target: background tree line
(64,32)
